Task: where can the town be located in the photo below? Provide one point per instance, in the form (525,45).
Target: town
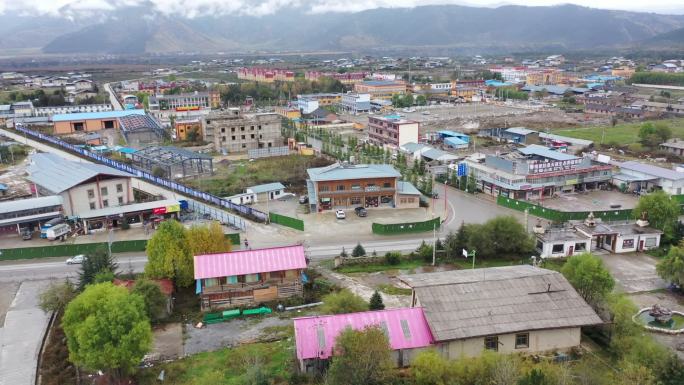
(349,216)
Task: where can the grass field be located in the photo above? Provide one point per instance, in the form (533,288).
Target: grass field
(246,364)
(622,134)
(233,178)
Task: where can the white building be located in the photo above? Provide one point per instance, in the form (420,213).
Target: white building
(266,192)
(306,105)
(355,103)
(641,176)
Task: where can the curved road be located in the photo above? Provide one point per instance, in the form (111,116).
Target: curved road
(112,97)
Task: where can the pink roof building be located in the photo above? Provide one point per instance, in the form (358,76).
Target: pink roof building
(255,261)
(406,328)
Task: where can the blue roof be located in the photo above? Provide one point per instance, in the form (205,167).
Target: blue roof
(455,134)
(406,188)
(360,171)
(381,83)
(96,115)
(496,83)
(3,186)
(455,142)
(267,187)
(545,152)
(125,150)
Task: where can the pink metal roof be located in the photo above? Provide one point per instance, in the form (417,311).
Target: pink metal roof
(249,261)
(406,328)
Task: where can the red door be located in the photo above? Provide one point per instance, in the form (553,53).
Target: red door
(571,250)
(641,245)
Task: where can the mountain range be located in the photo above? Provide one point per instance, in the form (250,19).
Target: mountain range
(136,30)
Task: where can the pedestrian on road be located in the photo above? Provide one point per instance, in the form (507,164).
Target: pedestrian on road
(246,244)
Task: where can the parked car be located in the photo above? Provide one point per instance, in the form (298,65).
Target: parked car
(360,211)
(26,235)
(76,259)
(434,195)
(303,199)
(339,214)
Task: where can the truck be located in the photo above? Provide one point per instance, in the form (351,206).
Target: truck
(57,231)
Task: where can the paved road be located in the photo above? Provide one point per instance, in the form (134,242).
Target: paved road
(112,97)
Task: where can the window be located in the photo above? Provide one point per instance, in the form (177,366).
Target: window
(121,201)
(580,246)
(491,343)
(252,136)
(651,242)
(356,186)
(119,188)
(387,185)
(105,203)
(244,145)
(92,205)
(355,200)
(223,129)
(259,127)
(91,193)
(103,191)
(558,248)
(242,128)
(628,244)
(232,137)
(522,340)
(232,129)
(243,137)
(340,187)
(251,128)
(324,188)
(223,138)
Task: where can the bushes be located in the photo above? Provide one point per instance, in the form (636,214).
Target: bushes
(344,301)
(393,258)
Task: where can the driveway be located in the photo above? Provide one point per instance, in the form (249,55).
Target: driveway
(633,272)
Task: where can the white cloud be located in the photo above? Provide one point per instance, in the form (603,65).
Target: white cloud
(194,8)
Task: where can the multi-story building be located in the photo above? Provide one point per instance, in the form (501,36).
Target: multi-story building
(185,102)
(511,74)
(306,105)
(341,186)
(381,89)
(544,77)
(392,130)
(188,129)
(267,75)
(432,89)
(535,172)
(355,103)
(323,99)
(55,110)
(232,131)
(345,78)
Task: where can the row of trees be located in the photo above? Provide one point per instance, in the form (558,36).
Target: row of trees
(506,93)
(237,93)
(407,100)
(662,78)
(499,237)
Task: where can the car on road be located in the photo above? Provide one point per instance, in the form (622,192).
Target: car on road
(76,259)
(339,214)
(360,211)
(303,199)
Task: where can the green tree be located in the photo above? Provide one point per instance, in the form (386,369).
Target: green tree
(169,254)
(207,239)
(358,251)
(107,329)
(343,301)
(454,243)
(651,135)
(662,213)
(430,368)
(93,264)
(536,376)
(393,257)
(155,301)
(421,100)
(56,296)
(589,277)
(364,358)
(424,251)
(671,268)
(376,302)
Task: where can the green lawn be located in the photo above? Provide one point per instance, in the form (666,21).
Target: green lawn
(621,134)
(244,364)
(405,264)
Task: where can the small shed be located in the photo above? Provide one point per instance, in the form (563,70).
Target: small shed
(521,135)
(268,191)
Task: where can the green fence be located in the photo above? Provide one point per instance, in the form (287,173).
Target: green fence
(234,238)
(294,223)
(70,250)
(562,216)
(404,228)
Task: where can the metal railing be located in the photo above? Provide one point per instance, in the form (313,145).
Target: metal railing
(241,210)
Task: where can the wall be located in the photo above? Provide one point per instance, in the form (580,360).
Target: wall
(224,128)
(405,201)
(408,133)
(547,248)
(539,341)
(76,199)
(66,127)
(635,238)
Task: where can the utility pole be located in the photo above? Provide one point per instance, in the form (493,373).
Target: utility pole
(434,241)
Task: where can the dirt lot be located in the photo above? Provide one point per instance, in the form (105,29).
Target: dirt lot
(229,334)
(168,342)
(594,200)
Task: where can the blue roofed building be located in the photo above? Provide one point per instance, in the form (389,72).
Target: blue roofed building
(345,186)
(536,172)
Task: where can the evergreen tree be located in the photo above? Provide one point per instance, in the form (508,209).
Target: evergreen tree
(376,302)
(95,263)
(358,251)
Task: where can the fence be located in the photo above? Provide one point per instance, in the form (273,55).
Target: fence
(562,216)
(404,228)
(294,223)
(242,210)
(83,248)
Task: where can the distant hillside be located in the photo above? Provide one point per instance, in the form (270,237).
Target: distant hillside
(675,37)
(568,27)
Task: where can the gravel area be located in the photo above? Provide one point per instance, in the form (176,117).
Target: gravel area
(229,334)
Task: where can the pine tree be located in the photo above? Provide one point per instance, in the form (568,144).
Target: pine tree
(358,251)
(344,254)
(376,302)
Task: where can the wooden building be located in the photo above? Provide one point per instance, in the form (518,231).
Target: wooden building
(249,277)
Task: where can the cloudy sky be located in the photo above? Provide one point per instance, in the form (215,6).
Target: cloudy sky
(192,8)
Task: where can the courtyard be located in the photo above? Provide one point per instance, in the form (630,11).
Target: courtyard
(591,201)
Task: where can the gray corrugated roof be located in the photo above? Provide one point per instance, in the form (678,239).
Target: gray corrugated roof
(651,170)
(413,147)
(520,131)
(30,203)
(57,174)
(360,171)
(267,187)
(471,303)
(407,188)
(434,153)
(575,141)
(535,149)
